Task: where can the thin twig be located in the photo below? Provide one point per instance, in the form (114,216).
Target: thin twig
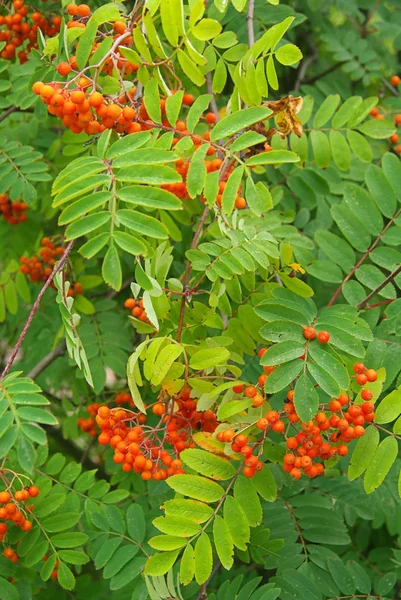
(188,272)
(364,257)
(8,112)
(379,287)
(47,360)
(35,307)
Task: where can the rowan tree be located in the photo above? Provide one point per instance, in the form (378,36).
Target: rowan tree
(200,275)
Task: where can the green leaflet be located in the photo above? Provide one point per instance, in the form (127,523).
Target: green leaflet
(389,408)
(306,399)
(160,563)
(208,464)
(363,452)
(237,523)
(223,542)
(203,559)
(196,487)
(239,120)
(381,463)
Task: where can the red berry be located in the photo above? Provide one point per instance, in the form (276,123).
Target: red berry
(359,368)
(238,389)
(309,333)
(262,424)
(361,379)
(395,80)
(366,395)
(371,375)
(323,337)
(251,391)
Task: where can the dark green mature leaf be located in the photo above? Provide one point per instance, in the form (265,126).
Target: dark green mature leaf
(306,399)
(282,376)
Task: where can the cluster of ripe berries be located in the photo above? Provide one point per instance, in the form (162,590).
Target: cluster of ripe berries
(40,267)
(137,310)
(13,509)
(23,25)
(182,166)
(138,448)
(346,421)
(13,212)
(89,425)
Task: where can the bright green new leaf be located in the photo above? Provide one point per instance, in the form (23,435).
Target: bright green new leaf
(288,54)
(363,452)
(239,120)
(208,464)
(389,408)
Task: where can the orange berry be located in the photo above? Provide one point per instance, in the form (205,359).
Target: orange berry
(96,99)
(33,491)
(394,138)
(72,9)
(395,80)
(374,112)
(272,416)
(262,424)
(366,395)
(188,99)
(371,375)
(278,426)
(309,333)
(64,69)
(238,389)
(114,111)
(83,10)
(77,96)
(335,406)
(119,27)
(250,391)
(359,368)
(257,401)
(323,337)
(361,379)
(210,118)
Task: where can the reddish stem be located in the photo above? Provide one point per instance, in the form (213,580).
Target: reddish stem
(364,257)
(35,307)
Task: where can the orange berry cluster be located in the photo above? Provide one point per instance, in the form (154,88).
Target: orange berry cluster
(13,212)
(311,442)
(13,509)
(22,25)
(40,267)
(310,334)
(137,310)
(239,443)
(89,425)
(137,447)
(185,418)
(133,449)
